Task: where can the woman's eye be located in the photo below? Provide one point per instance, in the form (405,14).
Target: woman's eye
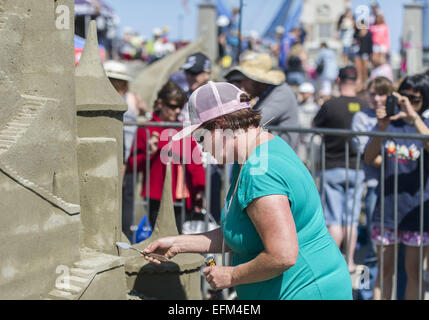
(200,139)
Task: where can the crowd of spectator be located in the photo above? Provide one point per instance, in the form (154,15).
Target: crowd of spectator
(342,90)
(133,46)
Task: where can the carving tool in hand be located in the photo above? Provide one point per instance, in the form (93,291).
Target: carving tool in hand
(126,246)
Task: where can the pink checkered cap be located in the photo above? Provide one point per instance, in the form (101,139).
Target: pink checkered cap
(210,101)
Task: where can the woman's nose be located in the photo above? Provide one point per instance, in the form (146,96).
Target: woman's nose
(378,99)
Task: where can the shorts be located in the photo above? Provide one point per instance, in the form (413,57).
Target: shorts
(349,51)
(409,238)
(379,48)
(363,55)
(336,199)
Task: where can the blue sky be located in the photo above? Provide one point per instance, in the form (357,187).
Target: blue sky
(144,15)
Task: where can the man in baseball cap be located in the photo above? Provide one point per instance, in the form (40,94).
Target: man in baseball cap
(197,70)
(197,63)
(348,73)
(338,113)
(195,73)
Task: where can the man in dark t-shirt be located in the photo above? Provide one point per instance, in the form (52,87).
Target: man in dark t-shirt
(342,206)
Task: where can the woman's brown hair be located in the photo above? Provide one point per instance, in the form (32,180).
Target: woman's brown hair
(241,119)
(171,91)
(381,85)
(119,85)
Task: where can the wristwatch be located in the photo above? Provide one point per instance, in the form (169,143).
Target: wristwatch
(415,117)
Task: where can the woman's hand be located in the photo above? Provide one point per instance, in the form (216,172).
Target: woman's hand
(219,277)
(371,155)
(153,143)
(165,246)
(407,111)
(200,202)
(383,120)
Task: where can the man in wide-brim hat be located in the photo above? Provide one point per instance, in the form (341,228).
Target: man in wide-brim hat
(275,99)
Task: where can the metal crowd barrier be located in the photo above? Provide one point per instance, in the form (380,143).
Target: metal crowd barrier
(318,175)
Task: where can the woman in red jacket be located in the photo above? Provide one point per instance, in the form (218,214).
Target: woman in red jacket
(187,184)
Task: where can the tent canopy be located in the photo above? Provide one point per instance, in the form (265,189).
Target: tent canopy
(288,17)
(222,9)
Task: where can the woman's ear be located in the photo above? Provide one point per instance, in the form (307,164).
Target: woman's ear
(220,123)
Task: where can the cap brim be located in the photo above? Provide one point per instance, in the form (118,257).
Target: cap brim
(118,76)
(185,132)
(232,70)
(187,66)
(274,73)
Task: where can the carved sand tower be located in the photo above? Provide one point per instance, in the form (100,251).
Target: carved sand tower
(41,235)
(179,279)
(100,112)
(39,188)
(61,136)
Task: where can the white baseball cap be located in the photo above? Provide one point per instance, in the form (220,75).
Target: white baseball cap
(306,87)
(222,21)
(157,32)
(116,70)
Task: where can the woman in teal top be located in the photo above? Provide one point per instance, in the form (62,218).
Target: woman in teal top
(272,221)
(320,271)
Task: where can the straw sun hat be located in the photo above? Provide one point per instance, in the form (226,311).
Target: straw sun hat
(258,67)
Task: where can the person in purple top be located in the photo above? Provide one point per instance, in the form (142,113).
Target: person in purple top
(413,97)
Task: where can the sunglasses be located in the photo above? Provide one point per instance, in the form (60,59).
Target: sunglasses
(198,135)
(414,100)
(172,106)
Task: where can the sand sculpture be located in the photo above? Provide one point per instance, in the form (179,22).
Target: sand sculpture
(39,186)
(181,276)
(160,71)
(60,157)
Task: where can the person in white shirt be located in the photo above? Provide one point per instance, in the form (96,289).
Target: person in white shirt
(307,110)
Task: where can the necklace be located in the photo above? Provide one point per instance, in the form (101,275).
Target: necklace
(238,178)
(233,194)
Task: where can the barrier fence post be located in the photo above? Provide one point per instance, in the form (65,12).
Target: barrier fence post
(421,254)
(183,200)
(207,195)
(395,213)
(313,167)
(134,227)
(346,229)
(147,172)
(382,186)
(355,188)
(322,180)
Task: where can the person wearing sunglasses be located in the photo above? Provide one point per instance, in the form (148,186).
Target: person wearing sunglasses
(187,184)
(272,220)
(411,117)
